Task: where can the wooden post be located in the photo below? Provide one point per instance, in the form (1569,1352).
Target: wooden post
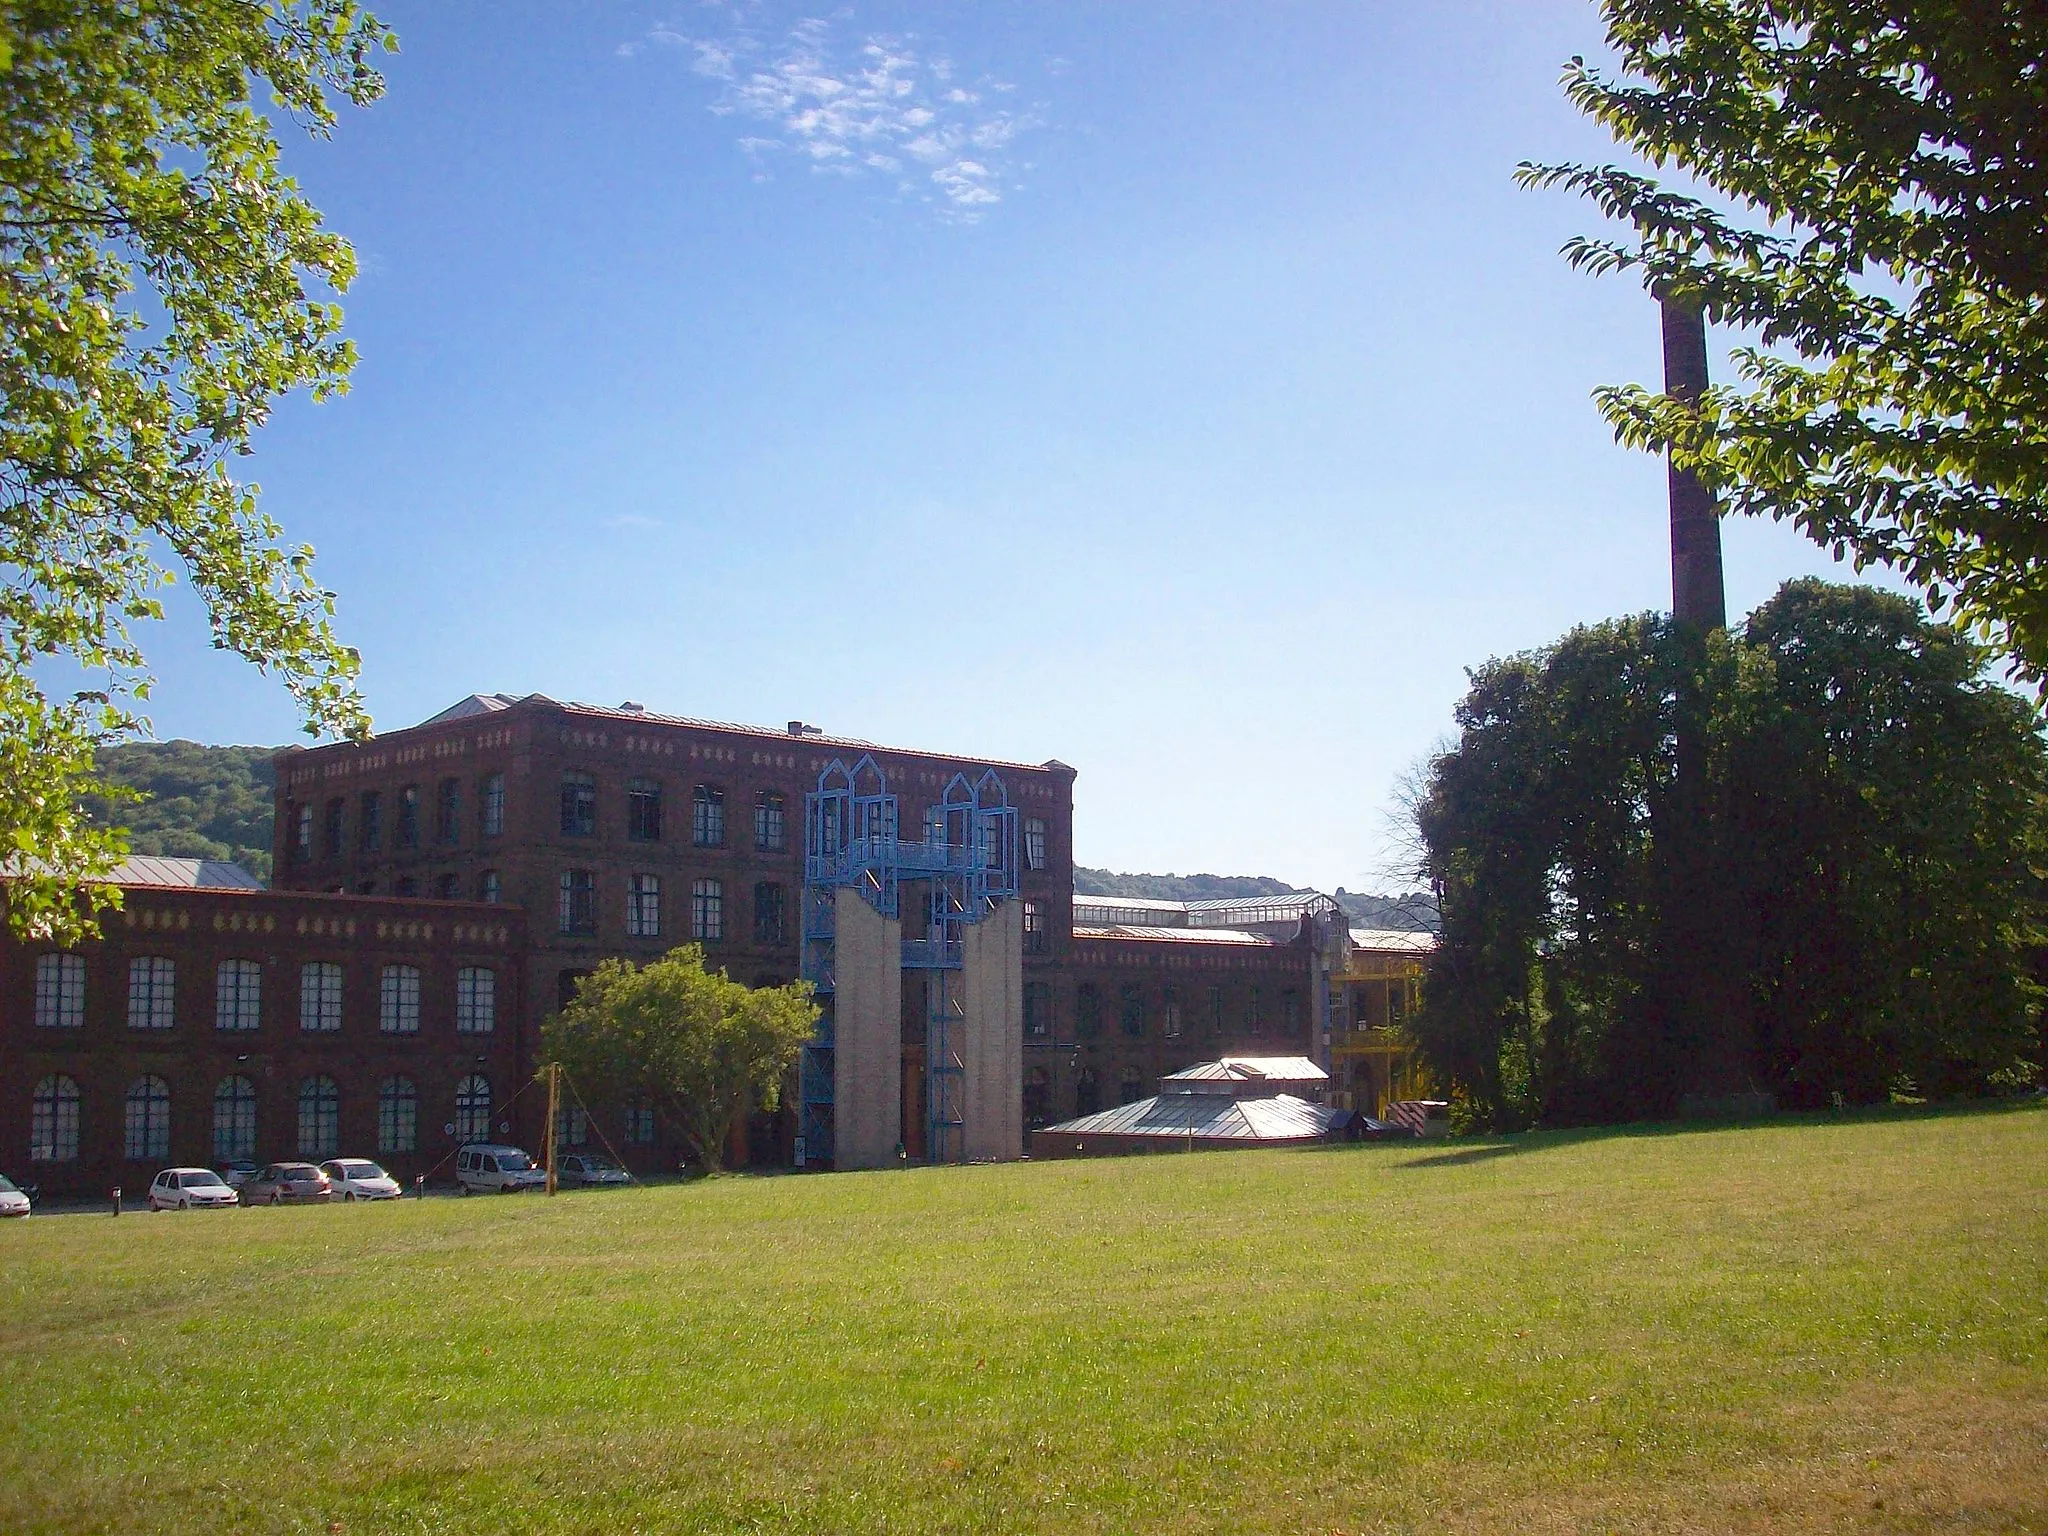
(554,1119)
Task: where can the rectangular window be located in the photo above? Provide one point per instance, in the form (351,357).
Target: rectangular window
(707,816)
(771,829)
(237,994)
(371,821)
(576,905)
(1215,1010)
(1290,1011)
(1254,1020)
(643,906)
(1131,1010)
(707,909)
(643,810)
(448,814)
(398,1116)
(1034,843)
(60,991)
(406,886)
(572,1126)
(640,1125)
(768,910)
(398,1000)
(491,805)
(152,988)
(476,1000)
(1087,1011)
(409,816)
(1169,1014)
(1037,1012)
(445,888)
(319,997)
(302,833)
(1034,928)
(487,886)
(337,813)
(579,805)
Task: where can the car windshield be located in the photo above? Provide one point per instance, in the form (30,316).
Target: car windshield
(203,1181)
(299,1173)
(513,1162)
(362,1171)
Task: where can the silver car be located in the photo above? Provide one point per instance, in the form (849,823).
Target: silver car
(589,1168)
(350,1178)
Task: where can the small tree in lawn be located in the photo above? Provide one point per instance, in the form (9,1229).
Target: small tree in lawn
(691,1040)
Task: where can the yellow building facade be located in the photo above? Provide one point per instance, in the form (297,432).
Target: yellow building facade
(1374,995)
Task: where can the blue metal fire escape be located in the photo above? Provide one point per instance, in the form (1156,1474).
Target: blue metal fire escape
(963,866)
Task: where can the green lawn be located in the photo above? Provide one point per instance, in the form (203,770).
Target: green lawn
(1818,1325)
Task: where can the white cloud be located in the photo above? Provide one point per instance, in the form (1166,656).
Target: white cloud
(850,106)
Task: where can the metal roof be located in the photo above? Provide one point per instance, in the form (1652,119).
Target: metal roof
(192,874)
(1217,912)
(1205,1117)
(1251,1069)
(1394,941)
(1173,935)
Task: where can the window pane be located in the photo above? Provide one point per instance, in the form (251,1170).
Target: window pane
(448,818)
(398,1001)
(579,805)
(476,1000)
(319,1117)
(398,1110)
(147,1120)
(409,816)
(234,1119)
(707,909)
(237,994)
(771,832)
(643,810)
(493,804)
(473,1109)
(152,988)
(319,996)
(60,991)
(707,817)
(576,907)
(1034,843)
(53,1121)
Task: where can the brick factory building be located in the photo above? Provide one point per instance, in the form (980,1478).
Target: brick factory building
(524,840)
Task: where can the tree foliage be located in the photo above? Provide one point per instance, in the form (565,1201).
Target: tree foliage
(162,283)
(190,801)
(686,1039)
(1874,209)
(1868,806)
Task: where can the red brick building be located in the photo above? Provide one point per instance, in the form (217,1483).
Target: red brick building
(525,840)
(214,1019)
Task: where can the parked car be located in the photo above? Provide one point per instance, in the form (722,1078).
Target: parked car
(287,1184)
(487,1169)
(236,1171)
(184,1189)
(589,1168)
(350,1178)
(13,1201)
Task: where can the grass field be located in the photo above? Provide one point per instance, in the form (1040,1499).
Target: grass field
(1816,1325)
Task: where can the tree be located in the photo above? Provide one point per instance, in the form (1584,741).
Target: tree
(1867,804)
(162,283)
(1874,209)
(677,1035)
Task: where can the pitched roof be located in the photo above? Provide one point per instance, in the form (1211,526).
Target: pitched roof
(192,874)
(1206,1117)
(1394,941)
(1251,1069)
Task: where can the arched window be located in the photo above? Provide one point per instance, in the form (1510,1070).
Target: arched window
(53,1121)
(234,1119)
(147,1117)
(473,1108)
(237,994)
(319,1117)
(152,989)
(398,1115)
(476,1000)
(60,991)
(319,996)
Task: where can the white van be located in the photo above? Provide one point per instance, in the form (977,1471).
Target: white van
(485,1169)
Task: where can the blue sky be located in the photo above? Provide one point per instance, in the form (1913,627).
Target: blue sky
(1180,390)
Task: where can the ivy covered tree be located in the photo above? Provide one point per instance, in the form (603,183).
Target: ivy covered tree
(1868,806)
(162,284)
(689,1040)
(1866,194)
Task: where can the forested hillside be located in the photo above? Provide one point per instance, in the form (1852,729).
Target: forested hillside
(198,802)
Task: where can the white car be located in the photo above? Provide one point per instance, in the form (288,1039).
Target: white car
(497,1170)
(12,1201)
(587,1168)
(184,1189)
(352,1179)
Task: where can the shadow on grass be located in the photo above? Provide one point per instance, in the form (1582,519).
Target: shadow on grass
(1485,1149)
